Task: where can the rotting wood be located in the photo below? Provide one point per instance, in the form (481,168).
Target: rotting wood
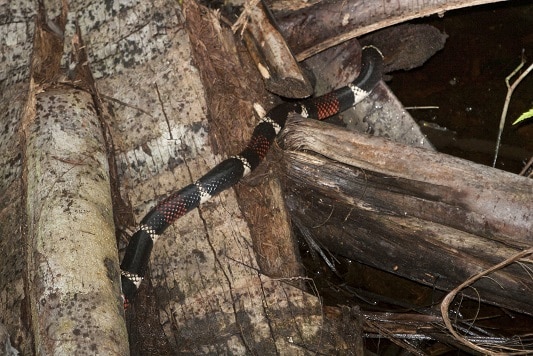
(327,23)
(273,58)
(230,103)
(426,216)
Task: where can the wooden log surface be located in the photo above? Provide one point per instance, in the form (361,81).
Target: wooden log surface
(72,265)
(429,217)
(312,29)
(59,275)
(205,279)
(281,73)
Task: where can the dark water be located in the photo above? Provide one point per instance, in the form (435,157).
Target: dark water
(467,82)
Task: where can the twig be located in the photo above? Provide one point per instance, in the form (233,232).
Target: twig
(526,167)
(420,107)
(243,18)
(451,296)
(510,90)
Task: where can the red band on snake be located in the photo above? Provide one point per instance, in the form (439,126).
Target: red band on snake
(230,171)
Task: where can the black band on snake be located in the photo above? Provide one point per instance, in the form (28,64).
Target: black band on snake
(231,170)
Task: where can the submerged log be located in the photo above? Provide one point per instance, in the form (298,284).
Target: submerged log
(426,216)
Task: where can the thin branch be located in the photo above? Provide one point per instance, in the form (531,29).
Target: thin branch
(510,90)
(451,296)
(526,167)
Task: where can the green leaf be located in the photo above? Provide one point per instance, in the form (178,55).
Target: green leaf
(524,116)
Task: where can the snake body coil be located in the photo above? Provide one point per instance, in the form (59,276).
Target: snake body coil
(231,170)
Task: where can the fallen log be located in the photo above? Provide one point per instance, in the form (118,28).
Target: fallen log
(59,292)
(426,216)
(67,182)
(312,29)
(281,73)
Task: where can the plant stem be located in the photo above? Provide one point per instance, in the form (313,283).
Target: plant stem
(510,90)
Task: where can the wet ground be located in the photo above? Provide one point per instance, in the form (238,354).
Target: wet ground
(466,81)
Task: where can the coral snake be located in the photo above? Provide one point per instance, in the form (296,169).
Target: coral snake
(230,171)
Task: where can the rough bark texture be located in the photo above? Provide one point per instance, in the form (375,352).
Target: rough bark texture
(327,23)
(72,256)
(60,292)
(426,216)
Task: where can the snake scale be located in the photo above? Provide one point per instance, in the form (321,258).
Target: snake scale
(230,171)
